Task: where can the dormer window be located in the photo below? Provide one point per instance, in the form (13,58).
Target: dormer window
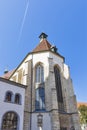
(54,49)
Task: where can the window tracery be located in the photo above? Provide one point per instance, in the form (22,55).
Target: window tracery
(10,121)
(39,91)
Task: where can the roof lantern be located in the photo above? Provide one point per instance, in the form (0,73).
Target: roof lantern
(43,36)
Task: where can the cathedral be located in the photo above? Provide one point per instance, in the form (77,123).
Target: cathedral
(38,94)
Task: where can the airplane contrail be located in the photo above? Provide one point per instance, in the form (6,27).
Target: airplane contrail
(23,21)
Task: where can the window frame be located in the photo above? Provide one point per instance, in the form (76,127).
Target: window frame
(39,73)
(20,99)
(39,86)
(7,117)
(11,98)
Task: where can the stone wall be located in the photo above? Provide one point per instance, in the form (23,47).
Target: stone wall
(27,107)
(49,60)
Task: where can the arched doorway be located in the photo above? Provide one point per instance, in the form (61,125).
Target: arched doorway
(10,121)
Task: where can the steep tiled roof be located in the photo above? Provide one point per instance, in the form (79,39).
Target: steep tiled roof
(44,45)
(8,74)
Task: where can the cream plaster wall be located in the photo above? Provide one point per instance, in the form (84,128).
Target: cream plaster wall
(6,107)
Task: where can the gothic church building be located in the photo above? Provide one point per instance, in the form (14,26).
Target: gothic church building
(38,94)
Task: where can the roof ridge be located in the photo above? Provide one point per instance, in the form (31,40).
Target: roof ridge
(11,82)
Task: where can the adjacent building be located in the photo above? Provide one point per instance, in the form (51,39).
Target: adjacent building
(12,98)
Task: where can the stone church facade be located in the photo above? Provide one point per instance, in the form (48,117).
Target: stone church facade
(49,99)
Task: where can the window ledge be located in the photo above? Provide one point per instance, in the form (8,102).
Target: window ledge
(12,102)
(43,110)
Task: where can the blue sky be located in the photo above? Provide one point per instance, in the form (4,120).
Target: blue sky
(65,22)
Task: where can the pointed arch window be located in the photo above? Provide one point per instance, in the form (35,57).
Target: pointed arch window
(10,121)
(58,88)
(39,90)
(39,74)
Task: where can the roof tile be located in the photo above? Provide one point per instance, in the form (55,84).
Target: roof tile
(8,74)
(44,45)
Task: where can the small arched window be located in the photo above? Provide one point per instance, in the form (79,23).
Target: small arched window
(18,99)
(39,74)
(8,96)
(10,121)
